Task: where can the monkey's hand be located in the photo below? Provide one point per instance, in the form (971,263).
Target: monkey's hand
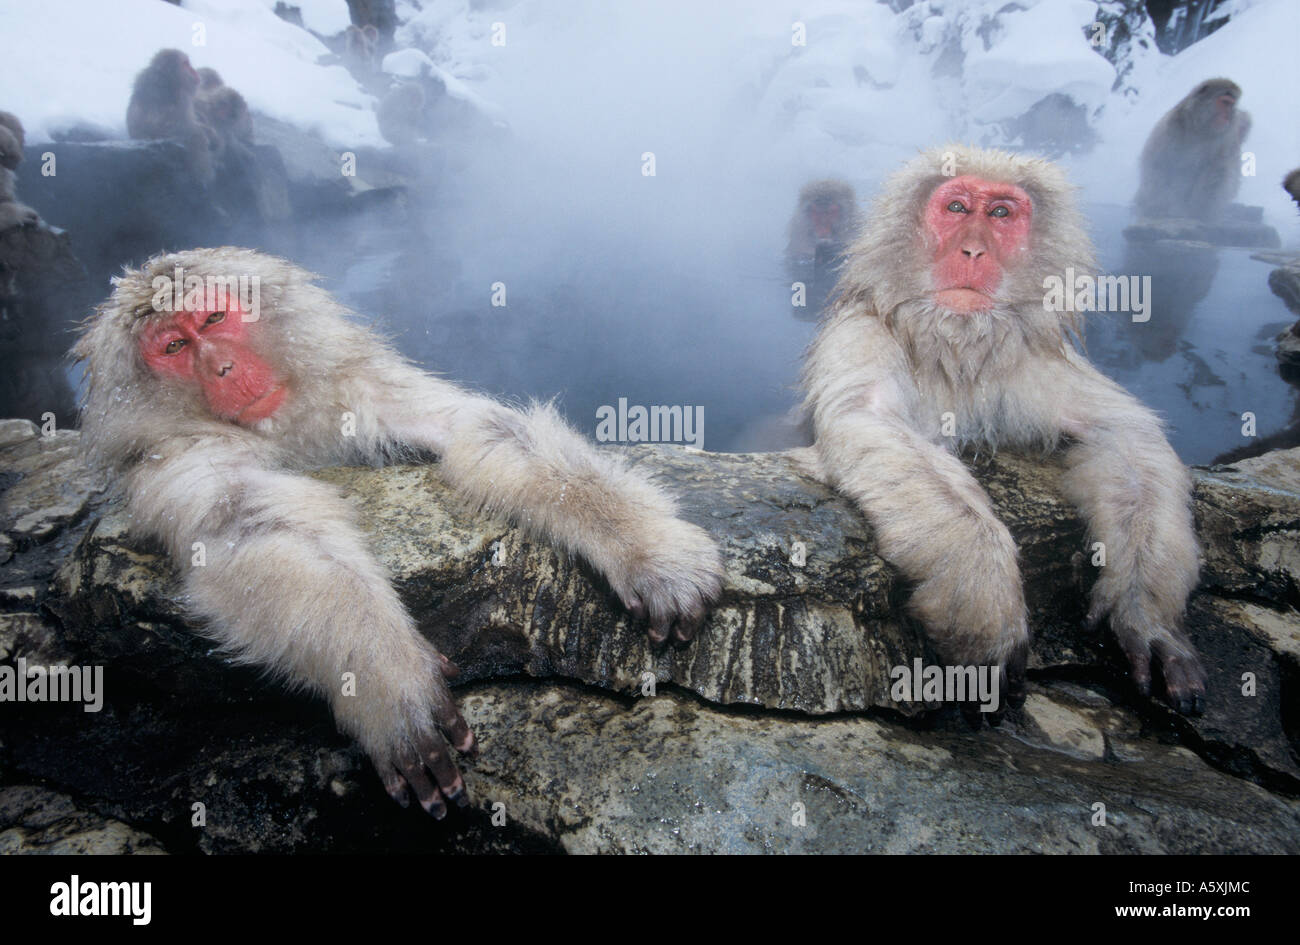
(407,722)
(973,605)
(531,466)
(1144,633)
(1135,494)
(670,576)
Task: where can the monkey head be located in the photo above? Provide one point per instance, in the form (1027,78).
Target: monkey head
(954,253)
(828,210)
(209,79)
(978,230)
(11,140)
(215,351)
(254,355)
(11,152)
(175,65)
(1214,103)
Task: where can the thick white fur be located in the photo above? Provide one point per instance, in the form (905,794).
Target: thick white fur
(289,583)
(888,363)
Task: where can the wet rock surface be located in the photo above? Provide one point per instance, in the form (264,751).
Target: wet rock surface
(773,731)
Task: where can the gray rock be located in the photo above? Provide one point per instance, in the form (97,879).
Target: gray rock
(1239,229)
(37,820)
(805,640)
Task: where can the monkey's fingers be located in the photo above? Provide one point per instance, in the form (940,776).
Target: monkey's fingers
(1139,659)
(660,624)
(633,604)
(1096,614)
(437,758)
(1185,677)
(689,623)
(456,729)
(394,784)
(449,669)
(1013,676)
(412,767)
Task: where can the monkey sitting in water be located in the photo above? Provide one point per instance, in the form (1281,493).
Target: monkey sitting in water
(206,406)
(940,336)
(825,221)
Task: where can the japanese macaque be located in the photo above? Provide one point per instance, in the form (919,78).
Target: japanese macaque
(209,79)
(361,48)
(1191,164)
(1291,184)
(207,416)
(12,137)
(162,106)
(824,222)
(224,111)
(940,337)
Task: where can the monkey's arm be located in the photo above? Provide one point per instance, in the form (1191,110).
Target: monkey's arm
(1135,494)
(530,466)
(288,584)
(931,518)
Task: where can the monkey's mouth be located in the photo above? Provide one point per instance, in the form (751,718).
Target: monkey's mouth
(262,407)
(963,300)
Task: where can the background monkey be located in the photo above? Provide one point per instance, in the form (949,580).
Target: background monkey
(12,138)
(825,221)
(361,49)
(162,106)
(1191,164)
(1291,184)
(940,310)
(205,418)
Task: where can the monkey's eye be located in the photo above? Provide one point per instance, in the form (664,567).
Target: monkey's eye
(174,346)
(956,207)
(215,318)
(999,212)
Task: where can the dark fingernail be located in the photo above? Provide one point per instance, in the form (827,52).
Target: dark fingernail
(459,797)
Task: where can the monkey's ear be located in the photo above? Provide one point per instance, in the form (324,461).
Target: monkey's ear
(371,31)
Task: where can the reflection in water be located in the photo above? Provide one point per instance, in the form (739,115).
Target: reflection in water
(1181,275)
(1205,358)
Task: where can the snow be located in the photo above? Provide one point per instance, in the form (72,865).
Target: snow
(57,75)
(706,86)
(1037,52)
(1257,50)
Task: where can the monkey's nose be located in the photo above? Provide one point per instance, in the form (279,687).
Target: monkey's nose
(974,252)
(226,368)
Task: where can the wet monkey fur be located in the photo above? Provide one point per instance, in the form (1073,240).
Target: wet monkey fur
(206,418)
(940,310)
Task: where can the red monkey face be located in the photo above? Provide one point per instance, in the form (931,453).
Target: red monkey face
(214,350)
(977,230)
(824,215)
(1225,105)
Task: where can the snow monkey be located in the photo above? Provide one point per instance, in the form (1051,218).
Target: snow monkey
(825,221)
(12,212)
(207,413)
(1291,184)
(1191,164)
(162,106)
(940,337)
